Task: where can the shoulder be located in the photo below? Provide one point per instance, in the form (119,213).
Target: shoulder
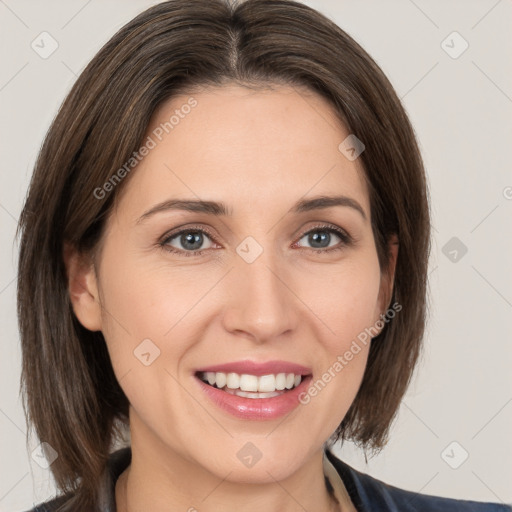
(368,494)
(117,463)
(52,505)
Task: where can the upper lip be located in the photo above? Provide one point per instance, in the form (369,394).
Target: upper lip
(258,368)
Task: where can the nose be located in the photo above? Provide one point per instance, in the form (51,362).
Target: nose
(261,303)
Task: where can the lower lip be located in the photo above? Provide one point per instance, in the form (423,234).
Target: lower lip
(256,408)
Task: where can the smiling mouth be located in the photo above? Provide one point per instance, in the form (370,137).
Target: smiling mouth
(252,386)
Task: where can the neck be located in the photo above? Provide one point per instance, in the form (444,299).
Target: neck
(160,479)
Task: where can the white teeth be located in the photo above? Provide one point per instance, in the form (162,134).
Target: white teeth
(248,382)
(280,381)
(220,379)
(248,394)
(258,387)
(267,383)
(233,380)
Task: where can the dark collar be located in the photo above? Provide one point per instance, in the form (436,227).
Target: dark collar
(368,494)
(121,459)
(117,463)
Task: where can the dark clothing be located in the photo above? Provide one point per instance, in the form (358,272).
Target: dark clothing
(366,493)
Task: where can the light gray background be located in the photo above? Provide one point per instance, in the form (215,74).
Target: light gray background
(461,110)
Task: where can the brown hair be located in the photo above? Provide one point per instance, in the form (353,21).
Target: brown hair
(70,392)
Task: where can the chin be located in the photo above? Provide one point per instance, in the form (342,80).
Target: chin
(249,464)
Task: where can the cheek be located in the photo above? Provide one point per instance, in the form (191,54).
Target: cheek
(163,302)
(175,305)
(149,323)
(146,299)
(346,301)
(345,298)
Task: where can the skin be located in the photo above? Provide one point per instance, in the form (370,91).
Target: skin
(258,151)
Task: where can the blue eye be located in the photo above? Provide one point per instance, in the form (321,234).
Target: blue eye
(189,242)
(319,237)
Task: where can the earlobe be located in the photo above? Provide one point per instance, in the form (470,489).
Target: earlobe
(82,288)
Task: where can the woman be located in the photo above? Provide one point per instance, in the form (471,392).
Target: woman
(229,224)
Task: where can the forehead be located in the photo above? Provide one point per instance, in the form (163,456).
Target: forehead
(245,146)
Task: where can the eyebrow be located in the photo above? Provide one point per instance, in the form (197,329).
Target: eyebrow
(220,209)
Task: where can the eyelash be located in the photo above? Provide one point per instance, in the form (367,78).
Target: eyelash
(346,240)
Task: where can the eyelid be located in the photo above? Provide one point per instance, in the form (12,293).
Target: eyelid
(162,242)
(342,233)
(346,238)
(185,228)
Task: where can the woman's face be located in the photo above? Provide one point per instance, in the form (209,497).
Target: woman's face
(273,291)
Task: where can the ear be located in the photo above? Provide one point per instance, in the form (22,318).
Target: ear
(82,288)
(388,276)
